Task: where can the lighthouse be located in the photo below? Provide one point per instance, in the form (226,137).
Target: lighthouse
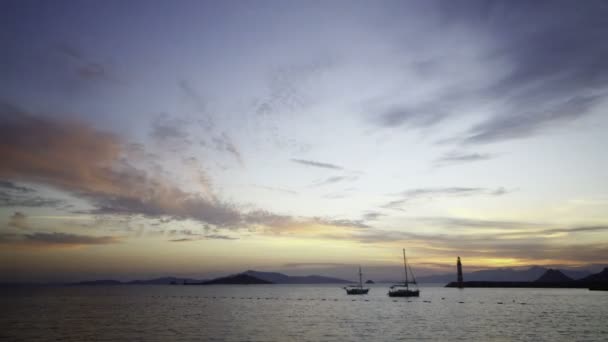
(459,266)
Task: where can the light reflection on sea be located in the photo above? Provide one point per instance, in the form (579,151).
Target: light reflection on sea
(298,313)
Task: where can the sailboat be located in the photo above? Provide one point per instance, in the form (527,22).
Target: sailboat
(357,289)
(404,290)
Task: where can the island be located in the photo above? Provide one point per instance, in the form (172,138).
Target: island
(236,279)
(550,279)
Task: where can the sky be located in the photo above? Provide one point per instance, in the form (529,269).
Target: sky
(201,138)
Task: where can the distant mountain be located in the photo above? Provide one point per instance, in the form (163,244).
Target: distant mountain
(501,274)
(99,282)
(164,281)
(601,277)
(553,276)
(248,277)
(576,274)
(156,281)
(280,278)
(236,279)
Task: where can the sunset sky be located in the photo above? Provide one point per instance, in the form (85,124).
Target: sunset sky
(193,138)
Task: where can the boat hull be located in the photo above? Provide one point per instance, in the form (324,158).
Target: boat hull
(356,291)
(404,293)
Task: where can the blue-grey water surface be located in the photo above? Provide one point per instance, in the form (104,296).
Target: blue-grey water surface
(299,313)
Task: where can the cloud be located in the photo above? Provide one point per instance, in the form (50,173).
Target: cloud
(459,223)
(530,244)
(396,204)
(577,229)
(314,264)
(556,58)
(199,103)
(69,239)
(344,223)
(51,240)
(530,68)
(85,69)
(20,198)
(455,157)
(412,195)
(424,116)
(372,215)
(88,163)
(529,122)
(18,220)
(278,224)
(451,192)
(274,189)
(317,164)
(10,186)
(205,237)
(334,179)
(223,143)
(170,131)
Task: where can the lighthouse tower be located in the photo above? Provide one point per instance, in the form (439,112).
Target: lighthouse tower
(459,266)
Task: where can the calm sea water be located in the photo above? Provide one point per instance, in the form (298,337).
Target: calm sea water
(299,313)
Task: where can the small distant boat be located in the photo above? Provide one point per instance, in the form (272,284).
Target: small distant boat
(404,290)
(357,289)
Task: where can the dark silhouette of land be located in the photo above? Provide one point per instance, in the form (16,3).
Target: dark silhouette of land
(99,282)
(601,277)
(550,279)
(280,278)
(244,278)
(155,281)
(236,279)
(553,276)
(502,274)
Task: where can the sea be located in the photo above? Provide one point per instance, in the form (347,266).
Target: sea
(298,313)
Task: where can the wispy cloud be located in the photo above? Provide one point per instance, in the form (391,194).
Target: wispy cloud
(421,116)
(10,186)
(275,223)
(451,192)
(314,264)
(85,68)
(413,195)
(373,215)
(8,199)
(18,220)
(528,122)
(511,70)
(13,195)
(223,143)
(452,223)
(333,180)
(51,240)
(317,164)
(275,189)
(200,104)
(89,164)
(205,237)
(170,132)
(456,157)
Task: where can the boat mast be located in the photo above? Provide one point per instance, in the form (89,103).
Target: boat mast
(360,278)
(405,267)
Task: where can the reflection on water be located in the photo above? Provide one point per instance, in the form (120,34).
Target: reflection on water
(298,313)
